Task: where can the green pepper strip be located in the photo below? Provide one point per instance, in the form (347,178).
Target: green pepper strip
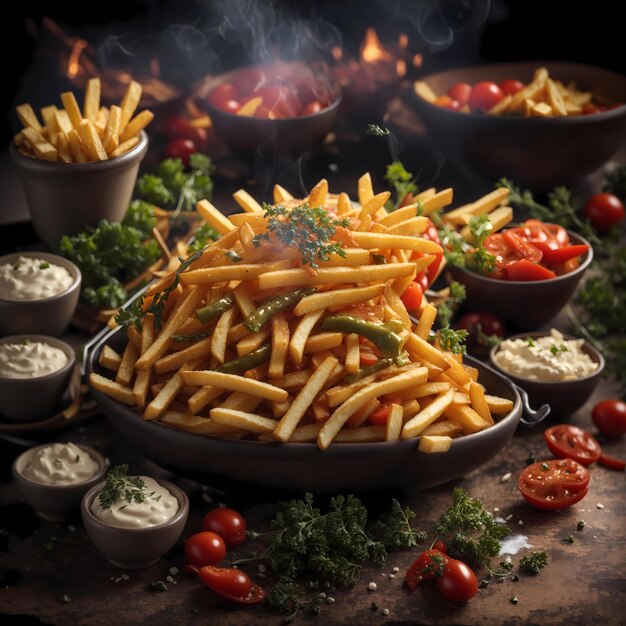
(194,337)
(384,336)
(248,361)
(270,307)
(383,364)
(214,309)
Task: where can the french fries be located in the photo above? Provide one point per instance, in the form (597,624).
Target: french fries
(273,349)
(69,135)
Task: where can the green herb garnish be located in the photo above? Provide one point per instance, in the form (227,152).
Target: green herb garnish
(309,229)
(479,226)
(530,341)
(119,485)
(545,467)
(403,182)
(580,525)
(533,563)
(202,236)
(65,599)
(376,131)
(77,458)
(157,585)
(17,267)
(452,340)
(569,539)
(44,265)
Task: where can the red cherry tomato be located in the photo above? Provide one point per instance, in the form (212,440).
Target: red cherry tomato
(232,584)
(609,416)
(247,81)
(590,108)
(460,92)
(228,524)
(570,442)
(428,565)
(367,358)
(523,249)
(458,582)
(554,484)
(604,210)
(412,296)
(281,100)
(612,463)
(439,545)
(536,230)
(485,95)
(180,128)
(510,86)
(553,255)
(180,149)
(524,270)
(221,94)
(315,106)
(408,199)
(205,548)
(230,106)
(480,324)
(432,271)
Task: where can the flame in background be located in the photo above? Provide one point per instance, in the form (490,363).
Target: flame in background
(372,50)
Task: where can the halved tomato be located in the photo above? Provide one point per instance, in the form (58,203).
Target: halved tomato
(570,442)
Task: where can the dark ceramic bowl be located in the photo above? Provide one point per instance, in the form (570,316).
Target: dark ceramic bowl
(29,399)
(48,316)
(65,198)
(54,502)
(535,152)
(527,304)
(564,397)
(303,466)
(247,135)
(135,548)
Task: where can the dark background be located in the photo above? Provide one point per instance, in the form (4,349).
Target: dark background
(448,32)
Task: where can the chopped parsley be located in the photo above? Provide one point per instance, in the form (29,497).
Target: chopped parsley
(376,131)
(569,539)
(533,563)
(452,340)
(558,349)
(202,236)
(44,265)
(77,459)
(530,341)
(479,226)
(580,525)
(403,182)
(157,585)
(121,486)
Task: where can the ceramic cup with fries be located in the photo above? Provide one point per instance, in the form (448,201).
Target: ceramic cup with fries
(249,340)
(79,166)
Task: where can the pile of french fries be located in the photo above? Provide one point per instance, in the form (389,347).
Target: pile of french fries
(542,97)
(96,133)
(303,383)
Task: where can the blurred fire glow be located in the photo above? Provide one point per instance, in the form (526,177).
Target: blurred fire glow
(372,50)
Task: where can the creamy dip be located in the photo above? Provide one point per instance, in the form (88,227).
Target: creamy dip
(33,279)
(550,358)
(61,464)
(158,506)
(30,359)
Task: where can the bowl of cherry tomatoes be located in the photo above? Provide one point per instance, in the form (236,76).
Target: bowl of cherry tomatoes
(279,108)
(538,152)
(537,269)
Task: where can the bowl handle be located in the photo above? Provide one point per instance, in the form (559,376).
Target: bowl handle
(530,417)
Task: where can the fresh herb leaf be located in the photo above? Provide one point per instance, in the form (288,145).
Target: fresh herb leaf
(470,531)
(569,539)
(44,265)
(202,236)
(403,183)
(479,226)
(157,585)
(580,525)
(533,563)
(120,485)
(376,131)
(480,261)
(395,529)
(309,229)
(452,340)
(65,599)
(77,458)
(530,341)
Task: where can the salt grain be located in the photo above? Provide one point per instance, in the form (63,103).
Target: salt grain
(509,517)
(372,586)
(506,477)
(385,611)
(262,568)
(599,506)
(330,600)
(521,523)
(395,570)
(125,577)
(174,570)
(392,575)
(207,498)
(169,579)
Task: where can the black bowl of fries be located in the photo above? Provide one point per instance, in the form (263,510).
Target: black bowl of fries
(538,151)
(193,445)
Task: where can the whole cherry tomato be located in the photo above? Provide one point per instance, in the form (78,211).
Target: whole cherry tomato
(554,484)
(570,442)
(221,94)
(180,149)
(232,584)
(604,210)
(485,95)
(230,106)
(510,86)
(412,296)
(315,106)
(457,582)
(281,100)
(180,128)
(460,92)
(428,565)
(205,548)
(479,326)
(247,81)
(228,524)
(609,416)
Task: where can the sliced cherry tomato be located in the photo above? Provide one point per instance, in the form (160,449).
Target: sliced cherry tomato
(609,416)
(422,280)
(281,100)
(479,325)
(458,582)
(315,106)
(443,101)
(590,108)
(232,584)
(367,358)
(428,565)
(536,230)
(612,463)
(510,86)
(412,296)
(523,249)
(554,255)
(570,442)
(221,94)
(498,246)
(460,92)
(228,524)
(604,210)
(432,271)
(205,548)
(484,96)
(524,270)
(380,415)
(554,484)
(180,149)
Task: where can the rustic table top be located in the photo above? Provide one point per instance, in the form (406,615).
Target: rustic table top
(41,563)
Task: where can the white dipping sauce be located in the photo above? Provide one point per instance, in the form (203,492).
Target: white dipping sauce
(549,358)
(33,279)
(158,506)
(30,359)
(61,464)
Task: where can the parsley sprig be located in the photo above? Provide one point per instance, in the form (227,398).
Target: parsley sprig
(534,562)
(402,181)
(121,486)
(308,229)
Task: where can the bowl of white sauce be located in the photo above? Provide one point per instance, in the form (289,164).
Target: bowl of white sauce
(35,371)
(39,292)
(134,520)
(54,477)
(553,368)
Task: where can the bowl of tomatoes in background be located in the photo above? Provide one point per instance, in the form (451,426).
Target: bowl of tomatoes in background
(281,108)
(538,267)
(537,152)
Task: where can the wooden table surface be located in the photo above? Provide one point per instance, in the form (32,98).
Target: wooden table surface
(584,582)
